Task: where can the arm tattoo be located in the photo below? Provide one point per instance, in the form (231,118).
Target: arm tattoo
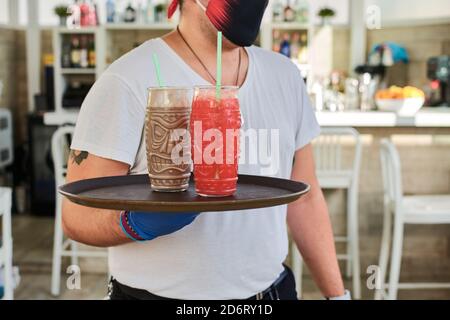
(78,156)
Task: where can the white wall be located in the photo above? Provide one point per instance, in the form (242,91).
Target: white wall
(23,12)
(409,10)
(4,12)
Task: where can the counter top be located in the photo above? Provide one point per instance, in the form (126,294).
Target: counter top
(426,118)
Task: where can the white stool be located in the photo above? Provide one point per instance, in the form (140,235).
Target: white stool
(6,251)
(332,175)
(433,209)
(63,248)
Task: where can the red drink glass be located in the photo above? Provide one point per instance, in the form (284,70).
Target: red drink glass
(215,127)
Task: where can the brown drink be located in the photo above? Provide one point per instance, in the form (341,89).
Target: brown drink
(167,138)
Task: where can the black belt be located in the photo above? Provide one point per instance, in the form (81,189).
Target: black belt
(270,293)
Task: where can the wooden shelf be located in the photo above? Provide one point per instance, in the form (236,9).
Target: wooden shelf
(135,26)
(78,71)
(290,26)
(84,30)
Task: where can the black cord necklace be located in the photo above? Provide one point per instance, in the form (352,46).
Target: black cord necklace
(204,66)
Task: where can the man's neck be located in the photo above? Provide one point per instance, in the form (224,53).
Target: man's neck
(202,44)
(205,43)
(205,46)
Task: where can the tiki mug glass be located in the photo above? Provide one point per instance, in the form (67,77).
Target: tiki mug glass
(167,138)
(215,127)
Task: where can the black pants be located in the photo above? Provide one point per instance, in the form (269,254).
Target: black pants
(282,289)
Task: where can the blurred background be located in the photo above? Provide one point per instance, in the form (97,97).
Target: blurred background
(377,72)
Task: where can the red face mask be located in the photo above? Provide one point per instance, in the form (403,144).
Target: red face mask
(239,20)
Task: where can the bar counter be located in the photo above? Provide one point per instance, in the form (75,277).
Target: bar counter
(427,117)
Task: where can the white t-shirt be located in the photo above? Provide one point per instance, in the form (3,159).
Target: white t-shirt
(228,255)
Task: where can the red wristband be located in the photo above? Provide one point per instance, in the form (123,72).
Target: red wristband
(127,229)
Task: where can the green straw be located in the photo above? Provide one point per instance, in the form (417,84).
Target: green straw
(219,65)
(158,70)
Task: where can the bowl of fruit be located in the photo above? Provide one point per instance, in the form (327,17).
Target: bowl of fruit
(405,101)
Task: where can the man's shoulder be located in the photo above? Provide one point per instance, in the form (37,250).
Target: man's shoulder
(134,69)
(135,62)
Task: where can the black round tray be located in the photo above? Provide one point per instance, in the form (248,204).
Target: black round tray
(133,193)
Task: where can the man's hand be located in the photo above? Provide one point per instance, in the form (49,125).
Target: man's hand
(310,226)
(142,226)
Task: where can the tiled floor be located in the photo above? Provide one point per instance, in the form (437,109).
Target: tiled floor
(33,239)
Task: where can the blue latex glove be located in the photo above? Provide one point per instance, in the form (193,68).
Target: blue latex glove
(144,226)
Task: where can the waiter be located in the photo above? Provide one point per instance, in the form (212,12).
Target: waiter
(230,255)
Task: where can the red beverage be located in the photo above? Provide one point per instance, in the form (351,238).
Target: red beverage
(214,126)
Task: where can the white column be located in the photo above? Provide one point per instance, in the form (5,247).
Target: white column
(358,37)
(33,47)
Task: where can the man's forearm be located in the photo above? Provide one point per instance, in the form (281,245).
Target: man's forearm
(95,227)
(100,228)
(310,226)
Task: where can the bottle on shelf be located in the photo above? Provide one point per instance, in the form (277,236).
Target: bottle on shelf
(85,12)
(75,54)
(277,11)
(84,58)
(303,53)
(75,17)
(93,13)
(141,14)
(91,52)
(150,12)
(295,46)
(66,61)
(289,13)
(285,46)
(161,12)
(276,42)
(130,14)
(110,11)
(301,8)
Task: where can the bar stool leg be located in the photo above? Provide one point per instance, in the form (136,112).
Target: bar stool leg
(354,240)
(384,252)
(7,247)
(349,251)
(57,248)
(396,258)
(74,253)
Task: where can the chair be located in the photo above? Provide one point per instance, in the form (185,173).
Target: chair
(332,174)
(398,211)
(6,250)
(61,247)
